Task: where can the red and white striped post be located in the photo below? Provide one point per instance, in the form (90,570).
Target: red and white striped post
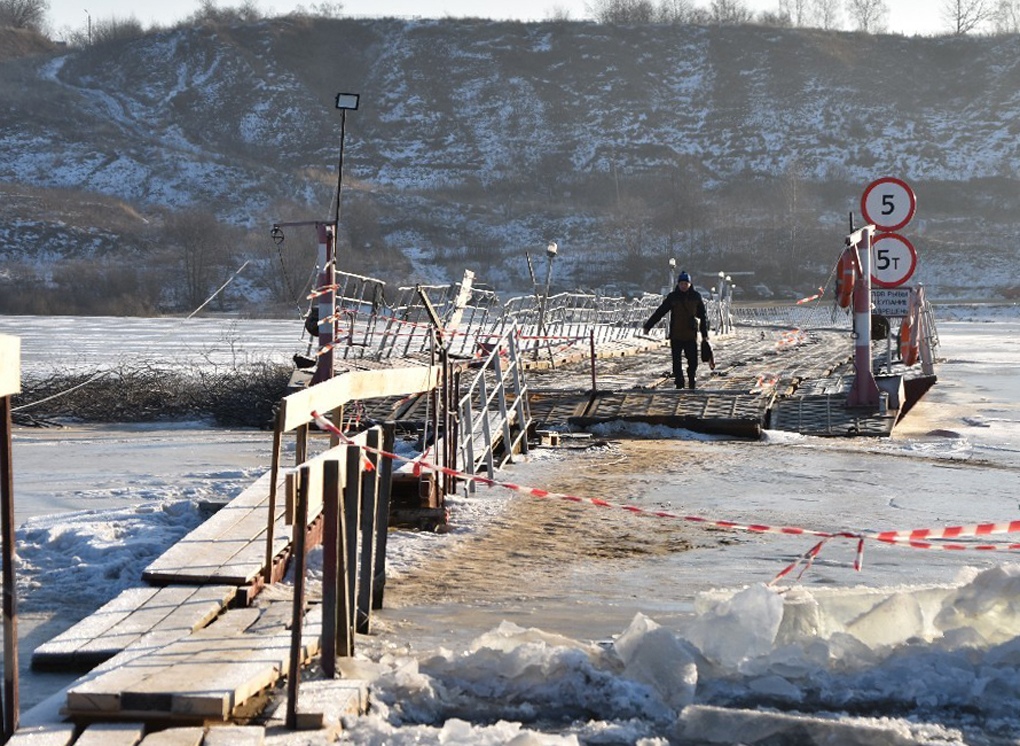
(327,301)
(864,391)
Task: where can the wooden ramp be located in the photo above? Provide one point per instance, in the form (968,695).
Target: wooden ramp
(700,411)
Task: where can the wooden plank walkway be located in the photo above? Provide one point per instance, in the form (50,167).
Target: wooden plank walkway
(229,548)
(765,378)
(171,613)
(209,675)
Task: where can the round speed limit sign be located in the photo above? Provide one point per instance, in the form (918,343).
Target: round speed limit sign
(888,204)
(893,260)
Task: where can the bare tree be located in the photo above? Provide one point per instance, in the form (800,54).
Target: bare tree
(1006,17)
(963,16)
(209,13)
(328,10)
(799,11)
(868,15)
(675,11)
(622,11)
(30,14)
(729,12)
(827,13)
(775,19)
(203,248)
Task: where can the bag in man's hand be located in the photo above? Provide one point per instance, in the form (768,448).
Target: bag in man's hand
(706,354)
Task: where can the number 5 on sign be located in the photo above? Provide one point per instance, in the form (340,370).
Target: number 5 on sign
(888,204)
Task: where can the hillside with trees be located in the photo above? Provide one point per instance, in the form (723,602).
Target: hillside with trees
(141,172)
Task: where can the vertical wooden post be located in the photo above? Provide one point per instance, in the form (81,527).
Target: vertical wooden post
(297,621)
(369,533)
(389,437)
(330,564)
(273,479)
(352,509)
(10,606)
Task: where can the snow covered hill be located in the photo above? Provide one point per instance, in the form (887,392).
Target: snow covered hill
(729,148)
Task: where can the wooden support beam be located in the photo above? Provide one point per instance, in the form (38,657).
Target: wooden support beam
(366,384)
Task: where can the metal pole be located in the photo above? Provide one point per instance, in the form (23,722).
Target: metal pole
(10,605)
(864,392)
(327,302)
(550,254)
(340,171)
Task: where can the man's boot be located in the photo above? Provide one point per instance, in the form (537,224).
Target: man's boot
(690,379)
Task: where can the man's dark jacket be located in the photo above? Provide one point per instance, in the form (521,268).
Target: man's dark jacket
(687,315)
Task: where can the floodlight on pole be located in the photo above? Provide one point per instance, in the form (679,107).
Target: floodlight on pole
(344,102)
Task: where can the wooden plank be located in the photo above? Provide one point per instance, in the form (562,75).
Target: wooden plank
(346,387)
(10,365)
(336,453)
(65,645)
(103,693)
(231,549)
(175,737)
(333,699)
(173,610)
(206,675)
(112,734)
(50,734)
(206,554)
(235,735)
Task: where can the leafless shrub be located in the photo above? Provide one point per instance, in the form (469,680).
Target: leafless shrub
(244,396)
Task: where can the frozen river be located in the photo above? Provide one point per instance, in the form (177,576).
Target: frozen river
(586,573)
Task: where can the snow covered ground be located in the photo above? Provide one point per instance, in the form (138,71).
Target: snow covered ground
(549,622)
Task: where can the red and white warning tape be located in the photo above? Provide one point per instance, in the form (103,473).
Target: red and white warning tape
(916,538)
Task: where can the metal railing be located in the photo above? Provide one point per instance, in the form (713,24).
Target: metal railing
(493,414)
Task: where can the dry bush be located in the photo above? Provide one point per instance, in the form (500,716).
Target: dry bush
(244,396)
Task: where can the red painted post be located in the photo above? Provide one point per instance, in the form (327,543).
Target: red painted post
(326,301)
(864,391)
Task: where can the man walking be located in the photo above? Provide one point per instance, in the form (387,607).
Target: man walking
(687,317)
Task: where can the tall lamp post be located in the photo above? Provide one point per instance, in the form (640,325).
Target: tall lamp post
(543,301)
(672,274)
(345,102)
(328,237)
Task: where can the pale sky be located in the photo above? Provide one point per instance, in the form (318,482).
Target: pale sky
(905,16)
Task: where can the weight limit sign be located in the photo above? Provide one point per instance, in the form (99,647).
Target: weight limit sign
(893,260)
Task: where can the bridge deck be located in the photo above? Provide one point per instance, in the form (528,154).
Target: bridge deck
(765,378)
